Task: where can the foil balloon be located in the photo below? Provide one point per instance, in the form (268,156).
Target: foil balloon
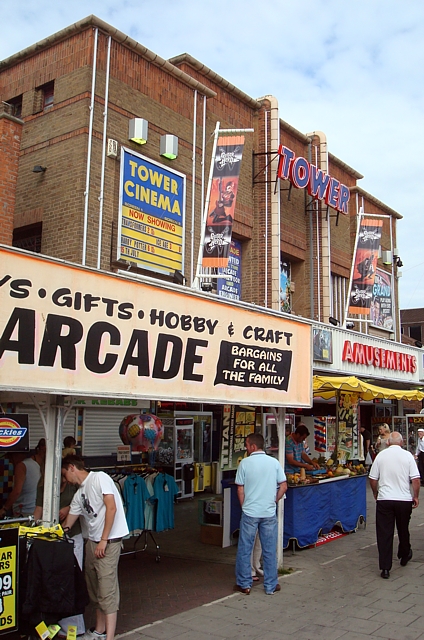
(142,431)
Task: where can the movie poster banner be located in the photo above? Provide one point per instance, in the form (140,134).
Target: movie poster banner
(222,201)
(366,256)
(77,331)
(229,278)
(382,305)
(151,216)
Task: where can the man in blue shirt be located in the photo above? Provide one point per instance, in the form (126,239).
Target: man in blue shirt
(261,483)
(296,456)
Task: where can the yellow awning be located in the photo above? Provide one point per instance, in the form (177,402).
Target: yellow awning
(327,387)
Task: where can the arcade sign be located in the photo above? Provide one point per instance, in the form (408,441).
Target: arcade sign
(321,186)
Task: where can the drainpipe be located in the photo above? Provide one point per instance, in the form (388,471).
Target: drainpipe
(90,141)
(193,188)
(275,204)
(102,173)
(325,234)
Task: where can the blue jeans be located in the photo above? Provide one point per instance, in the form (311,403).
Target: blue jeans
(268,534)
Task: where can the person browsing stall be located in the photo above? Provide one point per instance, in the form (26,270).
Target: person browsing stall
(296,456)
(98,501)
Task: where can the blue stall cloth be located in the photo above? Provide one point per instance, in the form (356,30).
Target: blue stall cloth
(313,509)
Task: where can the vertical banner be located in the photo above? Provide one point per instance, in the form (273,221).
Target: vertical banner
(222,201)
(348,426)
(381,305)
(229,278)
(285,287)
(320,433)
(366,256)
(151,216)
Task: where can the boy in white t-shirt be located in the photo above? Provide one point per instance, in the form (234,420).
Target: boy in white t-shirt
(99,503)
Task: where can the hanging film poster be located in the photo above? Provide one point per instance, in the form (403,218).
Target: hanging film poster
(381,305)
(222,201)
(367,246)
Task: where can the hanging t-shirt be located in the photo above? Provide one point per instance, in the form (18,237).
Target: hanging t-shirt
(88,502)
(135,496)
(165,490)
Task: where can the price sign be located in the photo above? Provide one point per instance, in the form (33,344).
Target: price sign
(9,540)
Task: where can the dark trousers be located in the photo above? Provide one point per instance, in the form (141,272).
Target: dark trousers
(420,463)
(388,513)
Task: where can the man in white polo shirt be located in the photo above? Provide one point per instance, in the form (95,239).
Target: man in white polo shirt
(390,475)
(261,483)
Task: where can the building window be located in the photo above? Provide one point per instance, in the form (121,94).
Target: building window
(16,104)
(339,287)
(28,237)
(415,332)
(285,287)
(48,95)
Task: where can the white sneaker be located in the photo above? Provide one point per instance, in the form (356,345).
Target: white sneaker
(91,634)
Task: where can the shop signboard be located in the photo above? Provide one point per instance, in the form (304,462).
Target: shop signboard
(365,263)
(151,214)
(14,432)
(76,331)
(222,201)
(229,278)
(9,541)
(381,312)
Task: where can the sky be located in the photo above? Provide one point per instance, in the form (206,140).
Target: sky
(353,70)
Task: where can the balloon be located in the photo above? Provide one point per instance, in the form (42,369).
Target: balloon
(142,431)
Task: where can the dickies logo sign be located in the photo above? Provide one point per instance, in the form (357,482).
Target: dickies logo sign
(13,433)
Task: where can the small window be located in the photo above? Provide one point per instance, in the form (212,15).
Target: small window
(48,95)
(415,332)
(28,237)
(16,104)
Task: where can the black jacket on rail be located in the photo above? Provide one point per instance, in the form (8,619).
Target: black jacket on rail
(55,585)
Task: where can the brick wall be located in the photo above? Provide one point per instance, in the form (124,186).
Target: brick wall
(10,138)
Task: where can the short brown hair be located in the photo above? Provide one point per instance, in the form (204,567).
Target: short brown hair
(76,461)
(256,439)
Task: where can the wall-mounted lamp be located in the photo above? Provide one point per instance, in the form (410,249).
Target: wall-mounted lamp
(398,262)
(350,325)
(206,286)
(386,257)
(169,146)
(179,278)
(138,130)
(39,169)
(333,321)
(418,344)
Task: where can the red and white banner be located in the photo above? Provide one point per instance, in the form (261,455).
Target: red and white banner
(222,201)
(366,256)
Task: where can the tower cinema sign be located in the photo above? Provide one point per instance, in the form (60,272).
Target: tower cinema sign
(304,175)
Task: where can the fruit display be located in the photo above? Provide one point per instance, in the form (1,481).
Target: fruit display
(330,469)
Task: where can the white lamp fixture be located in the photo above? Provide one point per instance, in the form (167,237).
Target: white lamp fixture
(169,146)
(138,130)
(386,257)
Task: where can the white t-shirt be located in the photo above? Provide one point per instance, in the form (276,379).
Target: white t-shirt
(88,502)
(394,468)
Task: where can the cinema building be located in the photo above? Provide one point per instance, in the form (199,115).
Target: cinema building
(140,275)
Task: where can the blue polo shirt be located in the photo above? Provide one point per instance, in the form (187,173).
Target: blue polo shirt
(260,476)
(296,448)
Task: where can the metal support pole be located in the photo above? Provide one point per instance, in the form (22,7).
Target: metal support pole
(52,472)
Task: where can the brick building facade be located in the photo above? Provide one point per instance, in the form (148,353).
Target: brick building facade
(58,87)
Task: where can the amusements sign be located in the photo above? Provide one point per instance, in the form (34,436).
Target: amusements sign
(222,201)
(366,256)
(152,204)
(75,331)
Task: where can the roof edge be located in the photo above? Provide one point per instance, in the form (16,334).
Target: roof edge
(375,201)
(119,36)
(214,77)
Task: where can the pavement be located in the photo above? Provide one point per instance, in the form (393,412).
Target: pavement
(333,591)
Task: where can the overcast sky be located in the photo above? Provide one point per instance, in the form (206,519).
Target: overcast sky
(351,69)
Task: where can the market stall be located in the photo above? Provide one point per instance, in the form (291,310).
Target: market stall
(311,509)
